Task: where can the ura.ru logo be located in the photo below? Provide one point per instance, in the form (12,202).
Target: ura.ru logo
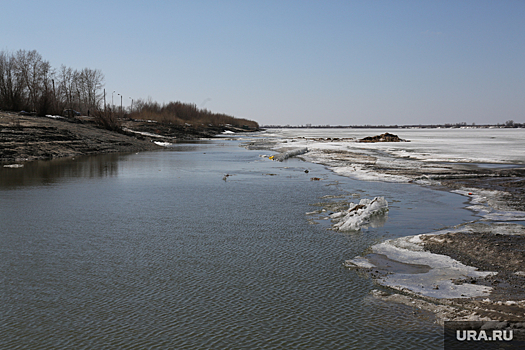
(495,335)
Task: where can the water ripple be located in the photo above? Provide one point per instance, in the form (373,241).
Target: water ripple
(195,263)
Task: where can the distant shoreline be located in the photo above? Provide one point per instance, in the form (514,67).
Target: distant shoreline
(409,126)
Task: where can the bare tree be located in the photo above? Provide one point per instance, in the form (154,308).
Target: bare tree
(28,79)
(31,68)
(11,86)
(28,82)
(68,80)
(90,85)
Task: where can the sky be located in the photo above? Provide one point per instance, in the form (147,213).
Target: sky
(292,62)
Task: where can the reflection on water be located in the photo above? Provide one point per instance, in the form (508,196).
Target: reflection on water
(156,250)
(51,171)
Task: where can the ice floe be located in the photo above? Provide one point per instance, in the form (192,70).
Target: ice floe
(288,154)
(359,215)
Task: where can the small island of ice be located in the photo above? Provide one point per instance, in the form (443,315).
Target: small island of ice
(359,214)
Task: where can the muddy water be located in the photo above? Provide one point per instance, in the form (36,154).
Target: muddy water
(162,250)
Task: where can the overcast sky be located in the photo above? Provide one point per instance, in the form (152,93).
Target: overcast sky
(293,62)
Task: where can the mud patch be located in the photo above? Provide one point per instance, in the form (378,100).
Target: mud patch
(502,253)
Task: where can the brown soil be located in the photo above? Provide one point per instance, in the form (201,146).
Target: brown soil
(504,254)
(511,182)
(386,137)
(27,138)
(501,253)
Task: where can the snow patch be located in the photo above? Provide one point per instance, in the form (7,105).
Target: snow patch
(143,133)
(436,283)
(357,171)
(490,205)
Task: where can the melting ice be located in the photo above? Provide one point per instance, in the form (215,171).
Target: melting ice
(360,214)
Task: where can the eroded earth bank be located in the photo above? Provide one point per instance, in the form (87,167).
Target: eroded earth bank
(27,138)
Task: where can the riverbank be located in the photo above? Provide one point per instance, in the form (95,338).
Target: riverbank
(474,271)
(493,250)
(27,138)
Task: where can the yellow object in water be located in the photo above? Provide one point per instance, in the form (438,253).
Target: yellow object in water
(270,157)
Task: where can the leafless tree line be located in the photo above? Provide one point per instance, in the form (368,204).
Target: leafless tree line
(29,83)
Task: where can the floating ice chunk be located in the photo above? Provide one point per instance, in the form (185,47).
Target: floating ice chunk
(228,132)
(359,214)
(14,166)
(160,143)
(285,155)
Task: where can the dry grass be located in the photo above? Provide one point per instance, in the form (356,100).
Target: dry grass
(108,119)
(179,113)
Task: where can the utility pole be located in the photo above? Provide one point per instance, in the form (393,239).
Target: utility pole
(54,97)
(120,105)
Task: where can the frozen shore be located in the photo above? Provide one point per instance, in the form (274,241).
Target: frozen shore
(475,271)
(486,168)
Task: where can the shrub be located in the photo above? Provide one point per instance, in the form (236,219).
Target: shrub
(179,113)
(107,119)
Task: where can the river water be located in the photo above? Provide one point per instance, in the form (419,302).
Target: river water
(161,250)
